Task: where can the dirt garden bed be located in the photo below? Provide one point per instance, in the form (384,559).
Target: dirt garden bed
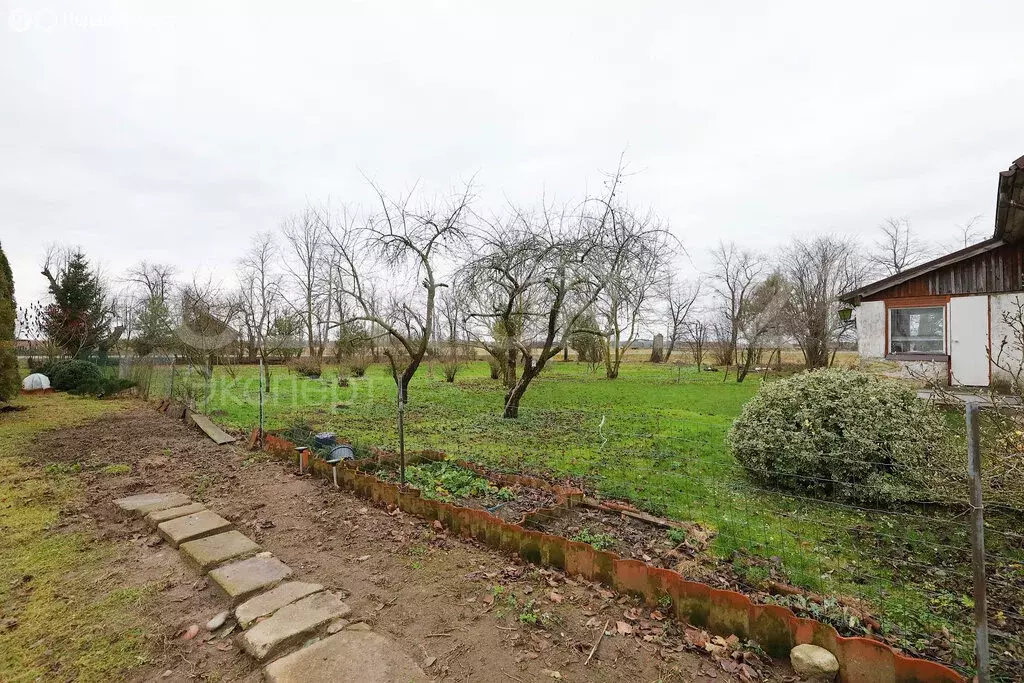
(451,483)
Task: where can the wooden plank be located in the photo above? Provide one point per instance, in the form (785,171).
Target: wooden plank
(219,436)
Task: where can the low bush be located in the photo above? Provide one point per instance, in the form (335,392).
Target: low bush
(844,435)
(74,375)
(358,362)
(306,366)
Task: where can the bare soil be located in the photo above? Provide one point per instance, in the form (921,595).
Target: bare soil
(463,611)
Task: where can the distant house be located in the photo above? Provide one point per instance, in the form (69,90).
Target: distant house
(945,318)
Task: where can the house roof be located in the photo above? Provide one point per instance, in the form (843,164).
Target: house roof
(927,267)
(1010,203)
(1009,227)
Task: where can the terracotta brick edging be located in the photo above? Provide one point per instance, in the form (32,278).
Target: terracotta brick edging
(776,629)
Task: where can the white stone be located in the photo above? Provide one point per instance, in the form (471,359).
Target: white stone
(813,662)
(217,621)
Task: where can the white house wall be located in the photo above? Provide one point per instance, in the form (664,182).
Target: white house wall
(871,329)
(1004,305)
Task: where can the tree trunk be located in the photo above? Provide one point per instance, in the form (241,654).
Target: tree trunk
(515,393)
(748,360)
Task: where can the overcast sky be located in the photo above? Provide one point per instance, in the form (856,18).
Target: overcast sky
(174,131)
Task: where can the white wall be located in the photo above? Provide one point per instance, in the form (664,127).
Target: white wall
(871,329)
(1004,303)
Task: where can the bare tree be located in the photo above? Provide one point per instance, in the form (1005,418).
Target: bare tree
(967,233)
(735,276)
(761,318)
(897,248)
(501,286)
(639,250)
(409,244)
(679,301)
(539,275)
(818,271)
(205,328)
(151,313)
(261,299)
(308,262)
(696,335)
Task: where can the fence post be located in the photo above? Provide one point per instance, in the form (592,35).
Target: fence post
(981,650)
(401,430)
(261,403)
(171,392)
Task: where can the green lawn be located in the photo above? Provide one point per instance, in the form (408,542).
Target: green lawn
(654,436)
(61,615)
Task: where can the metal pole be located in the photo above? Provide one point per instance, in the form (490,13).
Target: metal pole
(977,543)
(171,396)
(261,403)
(401,430)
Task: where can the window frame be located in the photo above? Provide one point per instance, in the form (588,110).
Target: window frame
(890,312)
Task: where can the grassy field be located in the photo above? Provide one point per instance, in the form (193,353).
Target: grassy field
(654,436)
(60,618)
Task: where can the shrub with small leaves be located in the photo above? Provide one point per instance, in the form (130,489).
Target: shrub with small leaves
(844,435)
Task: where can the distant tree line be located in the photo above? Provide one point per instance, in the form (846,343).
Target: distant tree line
(410,279)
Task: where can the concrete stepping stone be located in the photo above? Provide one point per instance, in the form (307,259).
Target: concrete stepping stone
(207,553)
(267,603)
(361,656)
(240,580)
(191,527)
(292,623)
(157,517)
(144,503)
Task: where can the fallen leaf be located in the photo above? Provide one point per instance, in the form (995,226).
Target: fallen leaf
(632,614)
(488,600)
(696,638)
(747,673)
(429,662)
(225,646)
(657,616)
(555,597)
(623,628)
(438,526)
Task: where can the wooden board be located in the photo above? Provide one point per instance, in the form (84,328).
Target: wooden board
(219,436)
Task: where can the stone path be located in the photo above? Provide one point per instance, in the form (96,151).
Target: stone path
(278,616)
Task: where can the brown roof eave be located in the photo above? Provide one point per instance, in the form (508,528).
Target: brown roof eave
(854,296)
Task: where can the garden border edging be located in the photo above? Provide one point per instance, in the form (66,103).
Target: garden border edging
(722,612)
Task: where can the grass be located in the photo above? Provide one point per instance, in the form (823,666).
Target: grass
(654,436)
(61,617)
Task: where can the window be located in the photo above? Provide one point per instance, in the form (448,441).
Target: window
(917,330)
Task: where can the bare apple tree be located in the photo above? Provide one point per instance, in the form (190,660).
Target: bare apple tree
(390,270)
(538,275)
(639,249)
